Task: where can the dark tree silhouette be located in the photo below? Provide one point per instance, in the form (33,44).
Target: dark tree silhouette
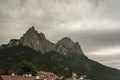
(25,67)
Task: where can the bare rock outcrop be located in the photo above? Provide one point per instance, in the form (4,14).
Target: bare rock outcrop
(13,42)
(38,42)
(66,45)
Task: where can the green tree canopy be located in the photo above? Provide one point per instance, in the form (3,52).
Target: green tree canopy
(25,67)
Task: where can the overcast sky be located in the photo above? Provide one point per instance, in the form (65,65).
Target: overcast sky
(95,24)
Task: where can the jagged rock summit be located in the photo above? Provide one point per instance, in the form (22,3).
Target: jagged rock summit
(66,45)
(38,42)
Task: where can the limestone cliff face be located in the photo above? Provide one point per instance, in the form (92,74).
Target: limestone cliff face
(66,45)
(38,42)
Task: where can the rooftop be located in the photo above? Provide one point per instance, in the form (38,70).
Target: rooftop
(17,77)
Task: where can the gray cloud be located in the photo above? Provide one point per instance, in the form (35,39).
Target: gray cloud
(99,39)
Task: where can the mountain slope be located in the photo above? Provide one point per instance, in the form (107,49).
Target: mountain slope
(57,63)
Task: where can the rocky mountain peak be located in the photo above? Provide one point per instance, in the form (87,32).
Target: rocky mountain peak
(31,29)
(66,39)
(66,42)
(66,45)
(38,42)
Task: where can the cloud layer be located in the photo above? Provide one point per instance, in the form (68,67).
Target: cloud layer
(93,23)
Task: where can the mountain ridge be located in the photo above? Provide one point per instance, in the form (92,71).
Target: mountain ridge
(38,42)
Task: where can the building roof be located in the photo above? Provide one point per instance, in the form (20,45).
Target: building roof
(16,77)
(47,74)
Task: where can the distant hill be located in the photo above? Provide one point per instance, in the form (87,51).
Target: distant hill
(61,58)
